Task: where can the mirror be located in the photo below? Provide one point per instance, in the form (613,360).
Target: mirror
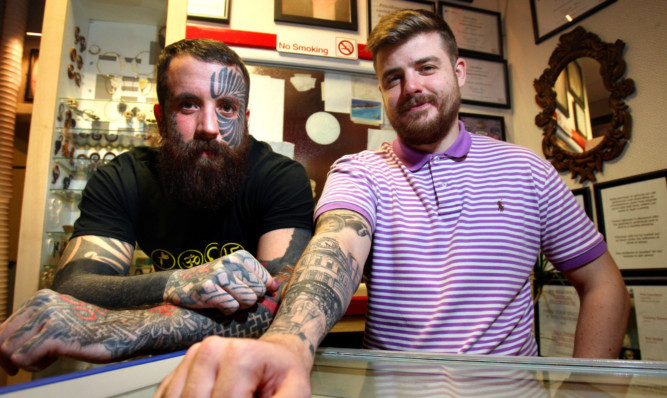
(584,119)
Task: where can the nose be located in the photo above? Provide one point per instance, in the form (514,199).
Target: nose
(207,125)
(412,84)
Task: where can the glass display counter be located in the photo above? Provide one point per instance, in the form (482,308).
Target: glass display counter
(363,373)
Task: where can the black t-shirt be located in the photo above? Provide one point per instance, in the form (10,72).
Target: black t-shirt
(125,200)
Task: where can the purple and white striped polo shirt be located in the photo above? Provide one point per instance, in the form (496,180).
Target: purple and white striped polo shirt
(455,237)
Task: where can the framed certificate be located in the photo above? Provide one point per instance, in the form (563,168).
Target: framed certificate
(632,215)
(215,11)
(379,8)
(477,31)
(553,16)
(486,83)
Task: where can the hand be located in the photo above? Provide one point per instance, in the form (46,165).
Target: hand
(49,325)
(229,283)
(227,367)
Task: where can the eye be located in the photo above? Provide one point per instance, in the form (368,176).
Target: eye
(391,81)
(188,106)
(228,108)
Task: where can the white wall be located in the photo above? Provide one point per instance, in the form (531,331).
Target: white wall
(640,24)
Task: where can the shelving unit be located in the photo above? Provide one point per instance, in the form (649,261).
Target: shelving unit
(94,100)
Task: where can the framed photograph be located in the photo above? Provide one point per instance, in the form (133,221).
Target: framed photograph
(553,16)
(489,125)
(580,120)
(206,10)
(339,14)
(31,77)
(487,83)
(583,197)
(561,88)
(379,8)
(575,82)
(632,215)
(477,31)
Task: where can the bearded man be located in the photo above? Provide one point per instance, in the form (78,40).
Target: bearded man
(222,217)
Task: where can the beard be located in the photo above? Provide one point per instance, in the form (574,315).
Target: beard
(415,129)
(203,182)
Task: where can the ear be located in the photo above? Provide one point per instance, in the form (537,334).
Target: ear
(460,70)
(247,115)
(157,110)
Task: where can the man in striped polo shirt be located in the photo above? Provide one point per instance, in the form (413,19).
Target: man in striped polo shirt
(451,224)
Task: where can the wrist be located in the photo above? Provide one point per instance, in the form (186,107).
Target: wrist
(297,345)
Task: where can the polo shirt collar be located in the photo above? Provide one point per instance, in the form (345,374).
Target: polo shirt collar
(415,160)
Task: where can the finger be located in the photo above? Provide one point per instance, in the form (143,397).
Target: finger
(268,283)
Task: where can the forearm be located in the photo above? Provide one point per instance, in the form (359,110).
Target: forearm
(97,284)
(320,291)
(602,324)
(73,328)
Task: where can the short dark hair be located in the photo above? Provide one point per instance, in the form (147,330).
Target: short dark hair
(206,50)
(400,26)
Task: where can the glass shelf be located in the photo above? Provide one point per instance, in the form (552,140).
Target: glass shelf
(67,195)
(116,137)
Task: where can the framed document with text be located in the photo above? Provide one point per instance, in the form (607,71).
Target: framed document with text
(487,83)
(379,8)
(477,31)
(632,215)
(553,16)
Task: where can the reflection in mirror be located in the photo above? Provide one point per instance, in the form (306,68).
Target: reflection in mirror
(582,106)
(583,118)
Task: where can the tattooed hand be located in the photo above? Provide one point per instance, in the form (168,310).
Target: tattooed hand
(47,326)
(229,283)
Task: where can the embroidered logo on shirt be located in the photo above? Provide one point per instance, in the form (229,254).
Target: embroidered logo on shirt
(501,208)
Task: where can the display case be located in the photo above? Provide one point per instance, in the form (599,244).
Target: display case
(94,99)
(372,373)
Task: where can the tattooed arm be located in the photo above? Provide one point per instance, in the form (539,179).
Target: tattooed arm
(51,324)
(320,290)
(227,283)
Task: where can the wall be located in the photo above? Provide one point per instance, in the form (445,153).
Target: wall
(642,28)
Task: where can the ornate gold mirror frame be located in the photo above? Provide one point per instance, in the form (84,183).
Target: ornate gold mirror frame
(571,46)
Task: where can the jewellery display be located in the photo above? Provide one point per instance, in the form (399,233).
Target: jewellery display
(58,144)
(73,54)
(94,49)
(66,182)
(109,156)
(55,173)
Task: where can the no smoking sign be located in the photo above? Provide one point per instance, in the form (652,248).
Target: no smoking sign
(346,48)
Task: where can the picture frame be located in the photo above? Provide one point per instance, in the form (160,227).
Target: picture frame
(31,75)
(477,31)
(632,215)
(487,82)
(575,82)
(379,8)
(551,17)
(212,11)
(488,125)
(561,89)
(584,198)
(342,16)
(580,121)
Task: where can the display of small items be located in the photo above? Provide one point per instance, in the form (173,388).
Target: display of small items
(86,141)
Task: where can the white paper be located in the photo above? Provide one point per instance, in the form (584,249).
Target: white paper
(337,92)
(267,105)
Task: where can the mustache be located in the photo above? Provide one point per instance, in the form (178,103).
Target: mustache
(418,99)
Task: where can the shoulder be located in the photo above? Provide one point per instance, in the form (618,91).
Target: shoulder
(265,164)
(506,155)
